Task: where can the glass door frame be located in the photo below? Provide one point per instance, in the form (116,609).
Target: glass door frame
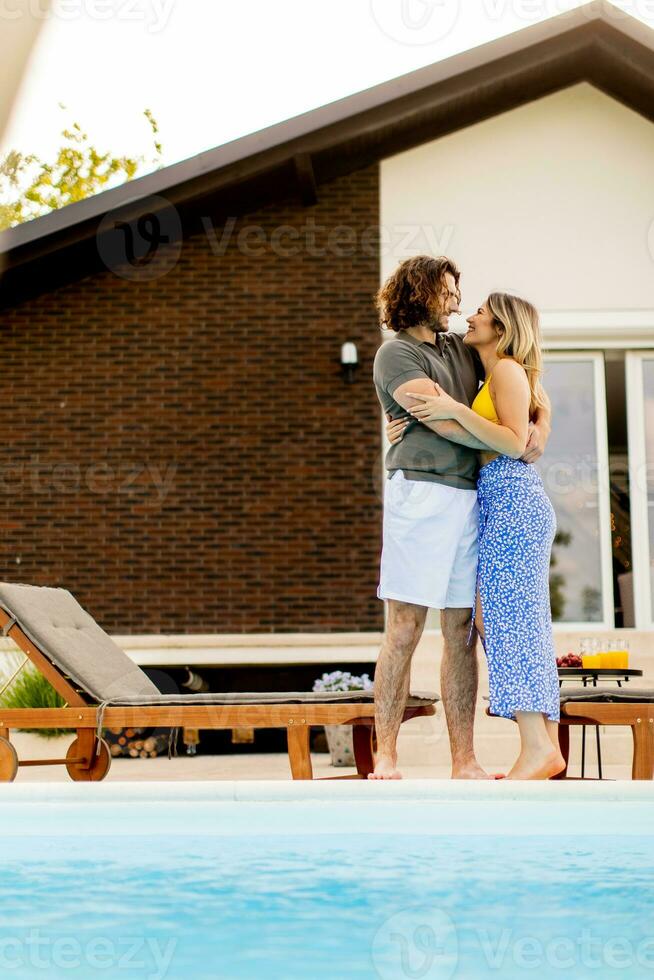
(603,489)
(637,448)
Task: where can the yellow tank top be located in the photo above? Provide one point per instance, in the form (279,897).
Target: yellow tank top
(483,403)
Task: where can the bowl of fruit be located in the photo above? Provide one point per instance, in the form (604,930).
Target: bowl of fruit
(570,660)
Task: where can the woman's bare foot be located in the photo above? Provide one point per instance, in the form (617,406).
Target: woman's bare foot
(538,765)
(385,768)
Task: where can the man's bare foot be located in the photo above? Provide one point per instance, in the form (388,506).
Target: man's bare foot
(470,770)
(542,765)
(385,768)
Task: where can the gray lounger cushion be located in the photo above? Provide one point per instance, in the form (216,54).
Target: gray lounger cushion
(417,700)
(619,695)
(54,620)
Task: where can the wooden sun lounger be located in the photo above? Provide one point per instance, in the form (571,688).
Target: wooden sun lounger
(633,708)
(102,687)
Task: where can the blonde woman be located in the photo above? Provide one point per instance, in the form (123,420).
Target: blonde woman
(516,527)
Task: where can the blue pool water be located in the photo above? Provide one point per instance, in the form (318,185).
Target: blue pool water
(229,898)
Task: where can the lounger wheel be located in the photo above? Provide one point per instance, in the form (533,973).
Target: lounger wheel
(8,761)
(98,769)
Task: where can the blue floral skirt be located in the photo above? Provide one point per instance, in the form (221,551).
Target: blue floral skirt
(517,525)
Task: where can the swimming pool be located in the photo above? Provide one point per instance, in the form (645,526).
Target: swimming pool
(330,881)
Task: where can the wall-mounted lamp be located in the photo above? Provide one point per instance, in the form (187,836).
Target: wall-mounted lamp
(349,361)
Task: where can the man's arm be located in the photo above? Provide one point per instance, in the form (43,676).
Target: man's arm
(446,428)
(454,431)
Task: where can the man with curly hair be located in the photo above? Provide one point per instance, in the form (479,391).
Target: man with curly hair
(430,533)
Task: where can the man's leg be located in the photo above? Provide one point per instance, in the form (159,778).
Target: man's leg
(459,678)
(404,627)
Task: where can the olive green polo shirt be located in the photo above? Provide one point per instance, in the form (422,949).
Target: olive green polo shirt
(422,454)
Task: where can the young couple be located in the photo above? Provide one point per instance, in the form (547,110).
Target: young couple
(473,542)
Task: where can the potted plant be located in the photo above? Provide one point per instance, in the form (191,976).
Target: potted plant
(29,689)
(339,737)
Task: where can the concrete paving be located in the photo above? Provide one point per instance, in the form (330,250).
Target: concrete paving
(423,744)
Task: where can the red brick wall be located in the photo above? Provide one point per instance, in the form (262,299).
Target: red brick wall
(218,383)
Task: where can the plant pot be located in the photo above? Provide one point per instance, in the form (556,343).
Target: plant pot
(341,748)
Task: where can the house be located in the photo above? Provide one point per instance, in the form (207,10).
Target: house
(183,451)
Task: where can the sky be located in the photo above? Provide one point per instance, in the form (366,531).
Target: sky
(214,70)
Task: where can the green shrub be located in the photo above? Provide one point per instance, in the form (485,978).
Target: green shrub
(31,690)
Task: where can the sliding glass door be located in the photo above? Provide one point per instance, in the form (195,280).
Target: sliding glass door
(640,417)
(575,473)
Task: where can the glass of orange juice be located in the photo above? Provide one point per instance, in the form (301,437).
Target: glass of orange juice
(609,659)
(589,652)
(608,655)
(621,654)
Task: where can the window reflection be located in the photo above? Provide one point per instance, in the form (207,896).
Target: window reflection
(569,470)
(648,409)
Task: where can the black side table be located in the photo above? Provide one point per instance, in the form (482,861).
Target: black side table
(590,675)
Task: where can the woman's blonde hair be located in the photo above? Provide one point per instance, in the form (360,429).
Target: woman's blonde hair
(518,324)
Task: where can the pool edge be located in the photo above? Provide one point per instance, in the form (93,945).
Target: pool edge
(269,791)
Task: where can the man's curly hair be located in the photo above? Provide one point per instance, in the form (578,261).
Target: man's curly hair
(415,292)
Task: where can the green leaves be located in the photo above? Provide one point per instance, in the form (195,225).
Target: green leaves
(31,187)
(31,690)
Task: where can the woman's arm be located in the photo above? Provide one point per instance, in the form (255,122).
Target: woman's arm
(407,394)
(512,397)
(446,428)
(455,432)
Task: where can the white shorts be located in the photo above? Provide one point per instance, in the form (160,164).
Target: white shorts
(430,536)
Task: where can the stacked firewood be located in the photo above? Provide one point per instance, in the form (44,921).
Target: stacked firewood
(135,743)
